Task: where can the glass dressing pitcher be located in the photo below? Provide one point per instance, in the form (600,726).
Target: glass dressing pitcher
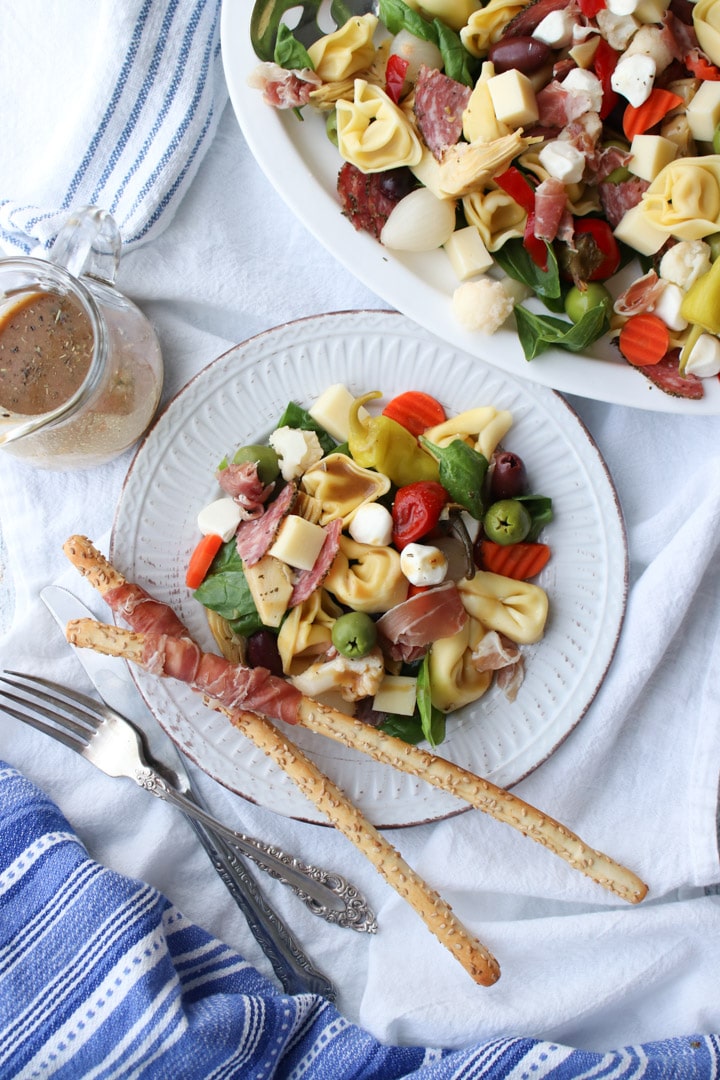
(80,365)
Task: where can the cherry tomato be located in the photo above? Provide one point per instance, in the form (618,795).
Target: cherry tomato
(416,511)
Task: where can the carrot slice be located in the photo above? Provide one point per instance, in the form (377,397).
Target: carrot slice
(201,560)
(644,339)
(519,561)
(415,410)
(640,118)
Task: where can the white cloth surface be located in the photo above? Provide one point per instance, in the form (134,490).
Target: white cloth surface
(637,778)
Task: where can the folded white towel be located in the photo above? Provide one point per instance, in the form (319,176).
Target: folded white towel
(121,117)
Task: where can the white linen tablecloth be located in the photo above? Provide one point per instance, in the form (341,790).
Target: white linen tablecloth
(637,778)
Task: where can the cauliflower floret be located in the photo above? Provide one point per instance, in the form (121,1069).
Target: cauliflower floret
(684,262)
(482,305)
(352,678)
(298,450)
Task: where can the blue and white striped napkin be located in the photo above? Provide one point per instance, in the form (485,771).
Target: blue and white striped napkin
(121,119)
(100,975)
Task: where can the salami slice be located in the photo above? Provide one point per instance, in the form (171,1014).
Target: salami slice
(666,376)
(439,105)
(368,198)
(255,537)
(307,581)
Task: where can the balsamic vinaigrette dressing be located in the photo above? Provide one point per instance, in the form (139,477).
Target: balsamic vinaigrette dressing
(46,346)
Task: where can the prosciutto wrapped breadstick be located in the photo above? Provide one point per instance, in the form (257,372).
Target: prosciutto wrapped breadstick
(134,604)
(293,707)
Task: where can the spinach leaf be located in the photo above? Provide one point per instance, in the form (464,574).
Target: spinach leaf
(462,473)
(225,590)
(407,728)
(431,719)
(289,52)
(513,258)
(297,417)
(540,332)
(397,16)
(539,507)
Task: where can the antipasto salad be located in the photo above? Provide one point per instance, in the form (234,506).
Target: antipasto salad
(541,142)
(379,560)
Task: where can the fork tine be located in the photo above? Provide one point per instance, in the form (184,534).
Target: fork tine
(47,729)
(96,709)
(90,715)
(33,703)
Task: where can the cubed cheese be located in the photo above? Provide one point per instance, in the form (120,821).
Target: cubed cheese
(650,154)
(634,78)
(270,584)
(651,11)
(513,98)
(637,232)
(397,694)
(221,517)
(332,411)
(467,253)
(584,52)
(298,542)
(703,112)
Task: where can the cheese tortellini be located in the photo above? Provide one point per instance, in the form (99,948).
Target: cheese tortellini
(496,216)
(341,487)
(706,20)
(684,198)
(517,609)
(454,679)
(486,425)
(366,578)
(346,51)
(484,27)
(306,632)
(373,133)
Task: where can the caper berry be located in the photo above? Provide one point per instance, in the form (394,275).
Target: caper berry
(354,634)
(507,522)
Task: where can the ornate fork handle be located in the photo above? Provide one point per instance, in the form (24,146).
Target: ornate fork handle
(326,899)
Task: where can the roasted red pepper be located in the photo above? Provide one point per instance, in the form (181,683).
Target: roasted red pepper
(606,244)
(395,72)
(518,187)
(416,510)
(604,63)
(590,8)
(535,247)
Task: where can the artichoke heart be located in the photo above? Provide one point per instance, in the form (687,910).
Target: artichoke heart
(468,167)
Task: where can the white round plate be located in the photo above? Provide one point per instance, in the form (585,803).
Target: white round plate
(238,399)
(302,165)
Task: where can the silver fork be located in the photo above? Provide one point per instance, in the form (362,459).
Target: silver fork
(294,969)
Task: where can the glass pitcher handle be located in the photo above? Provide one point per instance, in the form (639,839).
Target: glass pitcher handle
(88,243)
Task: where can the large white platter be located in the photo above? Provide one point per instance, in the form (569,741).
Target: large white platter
(238,399)
(302,165)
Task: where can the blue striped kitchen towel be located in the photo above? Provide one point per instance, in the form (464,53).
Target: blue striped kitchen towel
(101,976)
(127,135)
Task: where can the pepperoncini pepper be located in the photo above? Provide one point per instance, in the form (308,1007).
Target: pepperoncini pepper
(378,442)
(701,308)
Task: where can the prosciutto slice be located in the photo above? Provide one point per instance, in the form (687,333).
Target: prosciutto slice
(642,295)
(408,628)
(142,613)
(550,209)
(254,538)
(281,88)
(307,581)
(233,685)
(244,485)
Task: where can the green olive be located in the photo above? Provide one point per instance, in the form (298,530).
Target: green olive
(716,140)
(579,301)
(354,634)
(266,458)
(507,522)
